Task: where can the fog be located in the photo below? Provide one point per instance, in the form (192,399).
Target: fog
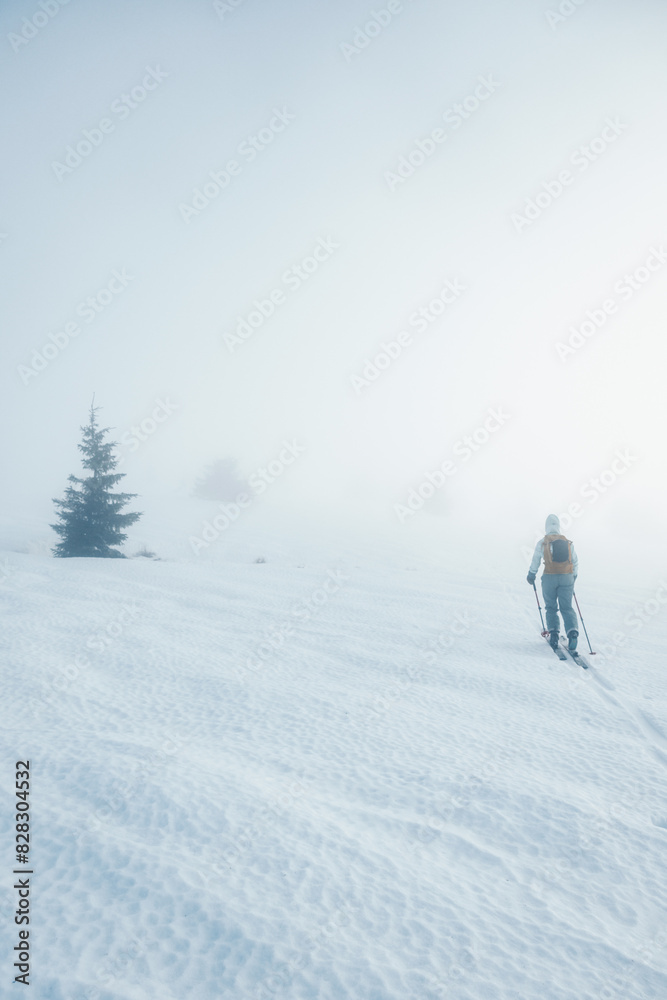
(399,244)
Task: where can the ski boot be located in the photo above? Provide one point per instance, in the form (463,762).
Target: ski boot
(553,640)
(572,637)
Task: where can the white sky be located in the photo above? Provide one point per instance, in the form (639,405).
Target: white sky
(324,177)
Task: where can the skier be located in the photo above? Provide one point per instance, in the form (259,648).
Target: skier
(560,572)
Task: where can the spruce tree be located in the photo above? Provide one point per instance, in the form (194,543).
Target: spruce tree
(91,522)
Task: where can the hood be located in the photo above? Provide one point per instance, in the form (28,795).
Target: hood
(552,525)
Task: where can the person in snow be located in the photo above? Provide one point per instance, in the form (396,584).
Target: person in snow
(560,572)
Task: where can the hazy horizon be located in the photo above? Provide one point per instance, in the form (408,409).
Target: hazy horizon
(476,188)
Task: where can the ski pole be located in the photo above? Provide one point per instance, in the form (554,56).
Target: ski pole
(584,624)
(544,631)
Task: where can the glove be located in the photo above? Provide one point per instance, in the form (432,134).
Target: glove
(531,578)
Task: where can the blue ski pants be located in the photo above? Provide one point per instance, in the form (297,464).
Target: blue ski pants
(557,589)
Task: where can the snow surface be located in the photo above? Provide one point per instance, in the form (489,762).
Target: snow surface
(246,785)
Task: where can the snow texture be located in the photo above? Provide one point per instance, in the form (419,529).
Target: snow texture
(329,777)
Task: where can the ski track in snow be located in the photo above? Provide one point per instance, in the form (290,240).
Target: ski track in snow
(409,797)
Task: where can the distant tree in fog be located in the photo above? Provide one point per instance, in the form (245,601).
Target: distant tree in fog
(219,481)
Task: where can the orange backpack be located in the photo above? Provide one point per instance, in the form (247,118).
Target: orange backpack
(557,554)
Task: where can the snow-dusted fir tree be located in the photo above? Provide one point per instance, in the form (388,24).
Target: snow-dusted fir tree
(91,522)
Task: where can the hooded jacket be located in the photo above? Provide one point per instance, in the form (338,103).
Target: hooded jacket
(552,528)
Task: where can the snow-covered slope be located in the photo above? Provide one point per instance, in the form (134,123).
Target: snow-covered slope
(330,778)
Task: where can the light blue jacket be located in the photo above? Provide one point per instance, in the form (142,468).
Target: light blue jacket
(552,527)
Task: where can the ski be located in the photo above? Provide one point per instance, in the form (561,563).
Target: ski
(557,650)
(579,660)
